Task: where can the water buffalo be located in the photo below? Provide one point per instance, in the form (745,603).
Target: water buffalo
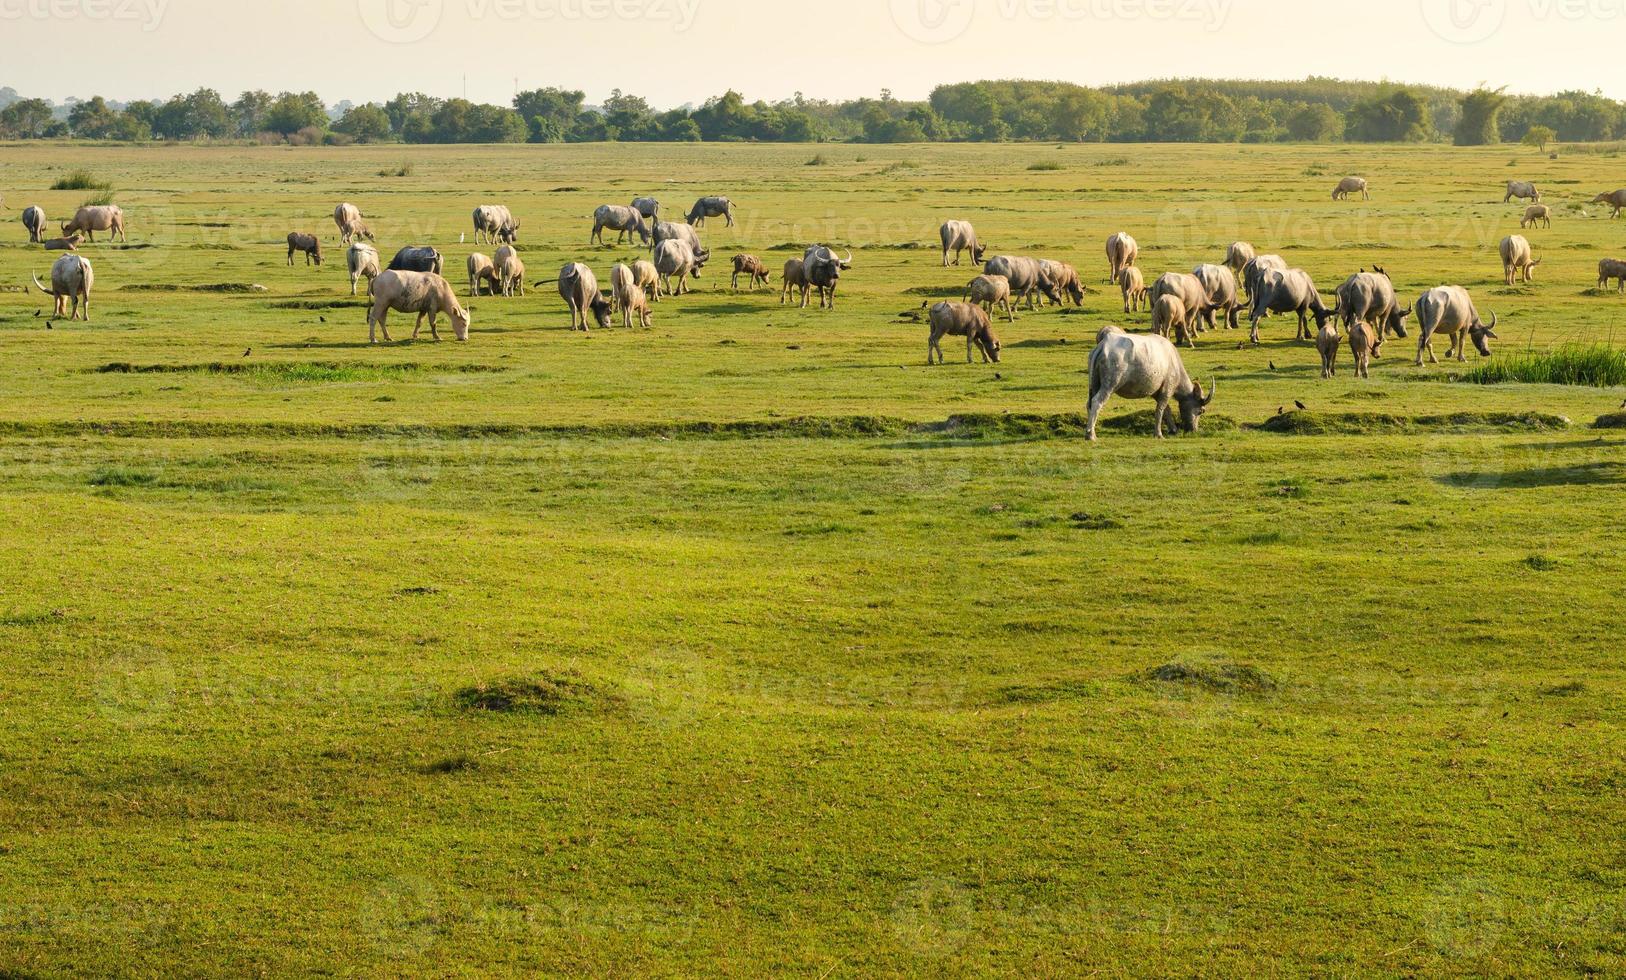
(966,320)
(959,236)
(579,289)
(34,221)
(1369,297)
(648,207)
(1612,269)
(1537,214)
(1351,185)
(417,258)
(1193,297)
(1523,190)
(623,221)
(666,231)
(676,258)
(752,268)
(1292,291)
(1220,285)
(711,207)
(1518,259)
(348,218)
(822,269)
(1063,279)
(1140,366)
(1122,252)
(108,218)
(310,245)
(1449,311)
(494,224)
(71,279)
(1026,277)
(482,274)
(1615,199)
(989,292)
(423,293)
(362,260)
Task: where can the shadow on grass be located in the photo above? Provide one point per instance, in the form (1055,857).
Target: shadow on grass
(1585,475)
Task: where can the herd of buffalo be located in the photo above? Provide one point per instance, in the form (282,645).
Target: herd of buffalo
(1182,305)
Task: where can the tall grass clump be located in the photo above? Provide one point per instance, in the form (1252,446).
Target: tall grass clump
(1044,165)
(82,180)
(1592,365)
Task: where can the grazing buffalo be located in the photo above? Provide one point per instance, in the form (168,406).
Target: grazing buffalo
(1612,269)
(711,207)
(752,268)
(310,245)
(1449,311)
(962,320)
(1292,291)
(579,289)
(1523,190)
(1026,277)
(1518,259)
(676,258)
(1615,199)
(1369,297)
(482,274)
(989,292)
(1351,185)
(494,224)
(108,218)
(959,236)
(423,293)
(348,218)
(623,221)
(648,207)
(1140,366)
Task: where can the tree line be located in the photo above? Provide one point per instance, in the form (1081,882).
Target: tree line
(1316,110)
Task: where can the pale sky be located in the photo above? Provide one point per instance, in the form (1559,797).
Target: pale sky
(678,51)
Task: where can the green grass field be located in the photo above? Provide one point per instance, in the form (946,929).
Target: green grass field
(750,645)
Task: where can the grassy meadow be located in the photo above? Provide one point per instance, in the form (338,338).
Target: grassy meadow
(751,645)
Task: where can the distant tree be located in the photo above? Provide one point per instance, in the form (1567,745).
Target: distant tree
(291,112)
(549,112)
(1315,124)
(93,119)
(590,127)
(631,117)
(1539,137)
(1397,117)
(407,105)
(26,119)
(365,124)
(249,111)
(1478,125)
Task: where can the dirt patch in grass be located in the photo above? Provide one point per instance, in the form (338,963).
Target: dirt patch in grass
(551,695)
(1216,676)
(1375,423)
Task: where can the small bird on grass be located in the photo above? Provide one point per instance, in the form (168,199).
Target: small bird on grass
(1302,406)
(1272,365)
(248,352)
(37,314)
(1281,411)
(322,318)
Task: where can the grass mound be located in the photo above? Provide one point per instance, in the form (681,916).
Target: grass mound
(212,287)
(1614,420)
(1218,677)
(1590,365)
(1065,425)
(302,372)
(552,695)
(81,180)
(1029,694)
(1377,423)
